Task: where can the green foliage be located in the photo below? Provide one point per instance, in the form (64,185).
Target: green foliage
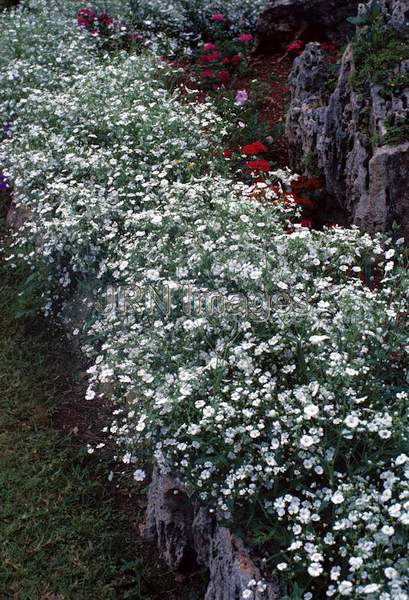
(372,17)
(377,56)
(364,119)
(396,134)
(378,48)
(395,85)
(311,165)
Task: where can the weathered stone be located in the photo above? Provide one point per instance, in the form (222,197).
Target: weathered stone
(232,570)
(284,20)
(169,520)
(184,531)
(342,135)
(387,200)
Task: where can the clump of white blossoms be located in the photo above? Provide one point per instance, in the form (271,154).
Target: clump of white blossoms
(265,365)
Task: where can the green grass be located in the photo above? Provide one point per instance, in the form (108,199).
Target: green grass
(64,535)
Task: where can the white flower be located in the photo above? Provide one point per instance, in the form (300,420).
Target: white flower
(337,498)
(356,562)
(90,395)
(139,475)
(254,433)
(394,510)
(318,339)
(352,421)
(387,530)
(371,588)
(345,588)
(315,569)
(306,441)
(401,459)
(391,573)
(311,410)
(208,412)
(282,566)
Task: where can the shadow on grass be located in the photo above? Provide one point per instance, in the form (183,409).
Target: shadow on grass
(66,533)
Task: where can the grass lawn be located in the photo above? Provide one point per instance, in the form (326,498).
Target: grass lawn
(64,535)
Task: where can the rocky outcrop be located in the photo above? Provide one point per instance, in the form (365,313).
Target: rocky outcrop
(186,534)
(355,138)
(285,20)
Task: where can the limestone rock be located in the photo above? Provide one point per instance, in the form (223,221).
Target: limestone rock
(388,195)
(284,20)
(342,134)
(232,570)
(169,520)
(185,533)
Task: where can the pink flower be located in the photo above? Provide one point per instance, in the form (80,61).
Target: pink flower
(217,17)
(241,98)
(245,37)
(209,46)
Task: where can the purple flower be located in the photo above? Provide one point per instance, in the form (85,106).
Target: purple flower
(4,184)
(241,98)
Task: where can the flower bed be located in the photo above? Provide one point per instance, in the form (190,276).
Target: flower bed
(263,363)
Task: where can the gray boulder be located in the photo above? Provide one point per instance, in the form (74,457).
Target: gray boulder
(186,533)
(343,133)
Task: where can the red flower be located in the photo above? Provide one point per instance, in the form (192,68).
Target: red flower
(207,74)
(306,223)
(328,47)
(217,17)
(209,46)
(105,19)
(208,58)
(259,166)
(235,60)
(214,55)
(227,153)
(296,46)
(304,184)
(224,77)
(254,149)
(245,37)
(305,202)
(86,17)
(226,60)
